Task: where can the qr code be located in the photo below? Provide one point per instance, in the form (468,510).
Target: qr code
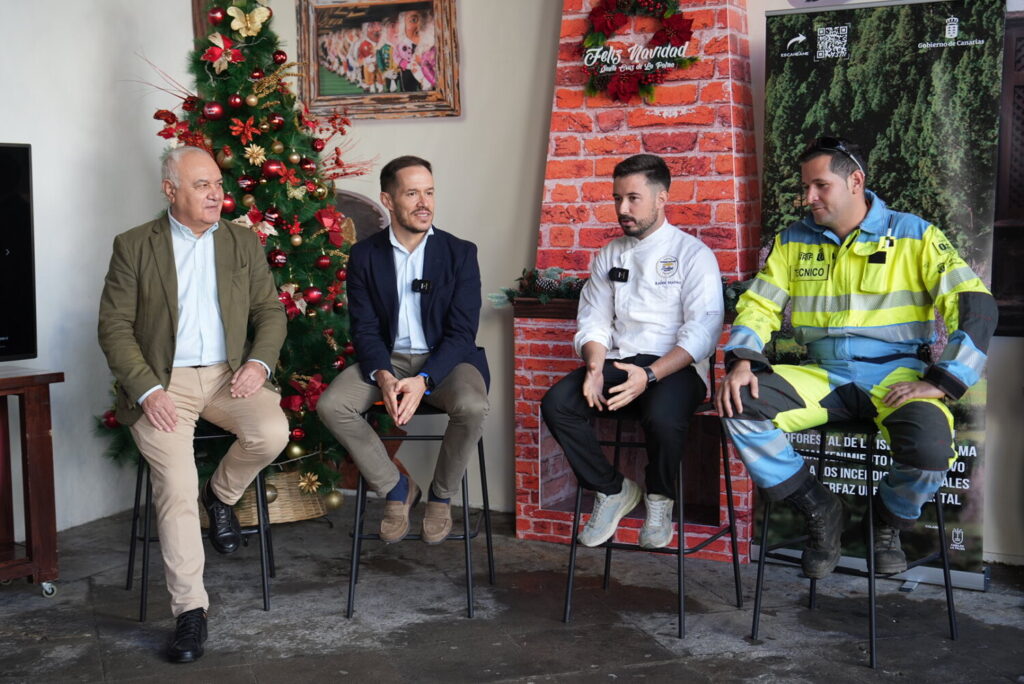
(832,42)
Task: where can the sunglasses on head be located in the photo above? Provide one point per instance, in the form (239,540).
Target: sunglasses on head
(836,145)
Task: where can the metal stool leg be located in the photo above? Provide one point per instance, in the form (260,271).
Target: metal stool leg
(871,567)
(144,593)
(269,535)
(135,523)
(954,630)
(486,511)
(761,562)
(263,525)
(567,612)
(357,530)
(469,547)
(681,554)
(732,516)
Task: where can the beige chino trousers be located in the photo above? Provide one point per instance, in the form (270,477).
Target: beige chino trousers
(262,431)
(462,395)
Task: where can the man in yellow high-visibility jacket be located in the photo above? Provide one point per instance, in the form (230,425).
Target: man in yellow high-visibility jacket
(863,282)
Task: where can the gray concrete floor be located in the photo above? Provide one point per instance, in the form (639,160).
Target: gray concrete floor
(410,623)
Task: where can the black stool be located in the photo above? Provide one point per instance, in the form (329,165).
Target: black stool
(204,431)
(358,536)
(681,550)
(868,429)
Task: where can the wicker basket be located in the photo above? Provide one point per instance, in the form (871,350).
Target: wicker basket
(290,505)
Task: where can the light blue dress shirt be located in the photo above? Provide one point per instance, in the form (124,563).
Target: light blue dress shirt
(410,338)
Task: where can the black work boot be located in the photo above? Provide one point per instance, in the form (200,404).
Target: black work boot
(889,556)
(189,637)
(225,530)
(824,513)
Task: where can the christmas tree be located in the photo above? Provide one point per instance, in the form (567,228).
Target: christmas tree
(243,111)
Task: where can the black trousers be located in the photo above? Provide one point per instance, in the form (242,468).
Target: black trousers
(664,412)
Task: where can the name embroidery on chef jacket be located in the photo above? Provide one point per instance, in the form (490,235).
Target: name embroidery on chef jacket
(667,267)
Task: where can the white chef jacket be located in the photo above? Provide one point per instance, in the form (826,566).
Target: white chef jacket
(673,297)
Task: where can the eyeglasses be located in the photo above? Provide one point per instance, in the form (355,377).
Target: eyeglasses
(836,145)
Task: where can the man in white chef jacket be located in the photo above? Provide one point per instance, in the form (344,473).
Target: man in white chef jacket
(649,319)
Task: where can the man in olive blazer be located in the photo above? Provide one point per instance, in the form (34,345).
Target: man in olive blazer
(191,327)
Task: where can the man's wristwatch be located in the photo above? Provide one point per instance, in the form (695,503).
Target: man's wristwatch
(427,381)
(651,377)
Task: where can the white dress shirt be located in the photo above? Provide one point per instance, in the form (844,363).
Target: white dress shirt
(409,338)
(672,297)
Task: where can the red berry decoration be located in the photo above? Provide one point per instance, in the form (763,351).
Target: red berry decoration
(213,111)
(235,101)
(272,215)
(280,56)
(319,145)
(341,274)
(339,305)
(190,104)
(323,261)
(339,363)
(110,420)
(247,183)
(215,15)
(297,434)
(256,74)
(273,168)
(228,205)
(277,259)
(308,166)
(276,121)
(313,295)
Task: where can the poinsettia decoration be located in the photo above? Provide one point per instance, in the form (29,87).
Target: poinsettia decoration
(622,80)
(221,55)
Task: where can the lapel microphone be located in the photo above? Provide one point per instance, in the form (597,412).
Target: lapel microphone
(619,275)
(421,286)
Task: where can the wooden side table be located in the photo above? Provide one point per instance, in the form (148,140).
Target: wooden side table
(39,562)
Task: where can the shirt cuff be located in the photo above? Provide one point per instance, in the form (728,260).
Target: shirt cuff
(265,366)
(148,392)
(373,376)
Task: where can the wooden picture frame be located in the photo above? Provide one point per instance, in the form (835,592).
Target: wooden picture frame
(379,59)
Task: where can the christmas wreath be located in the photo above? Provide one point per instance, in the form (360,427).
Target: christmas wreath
(647,65)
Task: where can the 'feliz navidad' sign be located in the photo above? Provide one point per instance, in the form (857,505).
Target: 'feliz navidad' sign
(624,72)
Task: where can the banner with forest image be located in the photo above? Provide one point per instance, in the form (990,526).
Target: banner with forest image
(916,85)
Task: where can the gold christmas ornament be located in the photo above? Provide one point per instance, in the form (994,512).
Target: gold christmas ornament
(252,100)
(311,312)
(248,200)
(264,127)
(271,493)
(249,24)
(225,160)
(296,192)
(296,240)
(294,450)
(333,499)
(321,192)
(294,158)
(309,483)
(255,155)
(277,147)
(263,180)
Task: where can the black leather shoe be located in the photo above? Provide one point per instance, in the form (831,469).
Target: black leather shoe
(225,531)
(189,637)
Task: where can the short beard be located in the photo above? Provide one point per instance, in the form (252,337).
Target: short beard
(640,228)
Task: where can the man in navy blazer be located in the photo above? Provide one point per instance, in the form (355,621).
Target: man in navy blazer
(414,303)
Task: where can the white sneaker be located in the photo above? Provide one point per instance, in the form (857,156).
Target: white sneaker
(657,530)
(609,509)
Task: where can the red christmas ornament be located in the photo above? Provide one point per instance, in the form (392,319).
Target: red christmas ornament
(213,111)
(308,166)
(341,274)
(215,15)
(235,101)
(273,168)
(323,261)
(276,121)
(256,74)
(312,295)
(277,259)
(228,205)
(319,145)
(310,186)
(339,305)
(339,363)
(349,349)
(272,215)
(297,434)
(247,183)
(110,420)
(280,56)
(284,298)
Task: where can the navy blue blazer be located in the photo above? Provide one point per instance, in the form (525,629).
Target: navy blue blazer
(450,311)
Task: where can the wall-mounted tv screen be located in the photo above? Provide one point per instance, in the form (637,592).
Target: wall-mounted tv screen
(17,264)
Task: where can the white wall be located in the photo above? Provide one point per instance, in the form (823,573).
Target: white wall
(1004,468)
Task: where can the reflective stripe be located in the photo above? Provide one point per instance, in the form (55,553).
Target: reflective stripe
(950,280)
(860,302)
(749,437)
(965,353)
(915,331)
(770,291)
(745,338)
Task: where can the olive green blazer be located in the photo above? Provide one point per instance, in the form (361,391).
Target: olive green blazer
(138,316)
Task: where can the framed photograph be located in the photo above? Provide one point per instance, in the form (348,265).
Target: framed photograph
(379,59)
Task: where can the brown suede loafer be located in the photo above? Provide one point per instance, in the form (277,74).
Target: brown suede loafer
(437,522)
(395,524)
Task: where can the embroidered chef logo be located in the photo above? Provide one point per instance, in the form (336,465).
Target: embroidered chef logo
(667,266)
